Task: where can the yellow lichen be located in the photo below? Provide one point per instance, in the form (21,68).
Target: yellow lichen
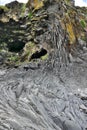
(70,31)
(35,4)
(38,4)
(68,25)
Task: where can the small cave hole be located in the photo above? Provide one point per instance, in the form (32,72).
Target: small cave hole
(38,54)
(15,46)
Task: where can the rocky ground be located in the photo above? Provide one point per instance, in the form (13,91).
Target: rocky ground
(43,75)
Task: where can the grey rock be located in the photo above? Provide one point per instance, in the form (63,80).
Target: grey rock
(71,125)
(44,95)
(1,60)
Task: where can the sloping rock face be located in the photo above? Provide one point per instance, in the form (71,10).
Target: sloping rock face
(39,99)
(25,31)
(47,94)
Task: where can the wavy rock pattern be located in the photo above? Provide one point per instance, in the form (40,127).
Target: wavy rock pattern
(37,99)
(51,94)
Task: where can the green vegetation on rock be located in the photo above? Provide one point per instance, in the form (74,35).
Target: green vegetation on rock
(23,8)
(13,58)
(30,15)
(45,57)
(4,8)
(83,23)
(26,29)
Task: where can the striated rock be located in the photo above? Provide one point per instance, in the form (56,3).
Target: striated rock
(44,85)
(38,26)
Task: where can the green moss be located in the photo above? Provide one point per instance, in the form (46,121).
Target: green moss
(45,57)
(84,38)
(83,23)
(4,8)
(67,1)
(23,8)
(30,15)
(14,58)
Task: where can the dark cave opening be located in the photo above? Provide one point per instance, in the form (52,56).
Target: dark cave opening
(16,46)
(38,54)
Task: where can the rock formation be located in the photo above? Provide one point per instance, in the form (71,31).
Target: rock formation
(43,59)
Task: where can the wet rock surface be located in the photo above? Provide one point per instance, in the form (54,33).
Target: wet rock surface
(46,94)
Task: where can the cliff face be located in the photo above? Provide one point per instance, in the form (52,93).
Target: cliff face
(43,55)
(29,25)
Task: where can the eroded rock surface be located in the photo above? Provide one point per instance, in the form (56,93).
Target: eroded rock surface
(46,94)
(34,98)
